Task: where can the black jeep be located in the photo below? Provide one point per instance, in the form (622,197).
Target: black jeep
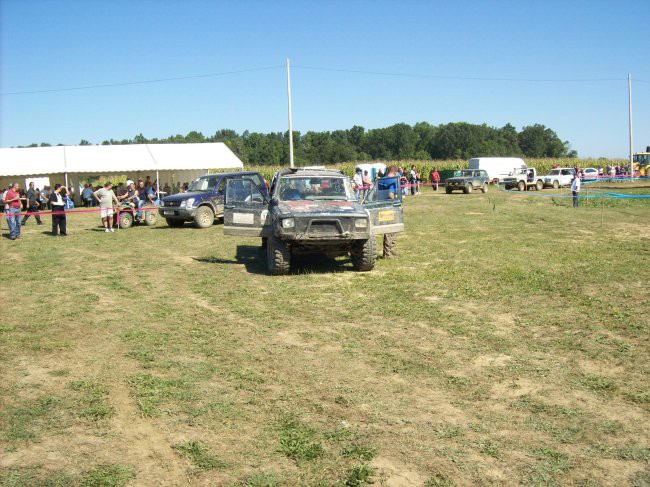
(313,210)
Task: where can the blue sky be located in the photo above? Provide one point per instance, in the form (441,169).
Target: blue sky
(49,44)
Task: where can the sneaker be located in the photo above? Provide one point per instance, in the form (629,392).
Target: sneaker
(106,230)
(113,230)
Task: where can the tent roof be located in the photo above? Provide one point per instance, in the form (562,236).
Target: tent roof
(90,159)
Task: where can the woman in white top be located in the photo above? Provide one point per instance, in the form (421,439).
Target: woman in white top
(575,189)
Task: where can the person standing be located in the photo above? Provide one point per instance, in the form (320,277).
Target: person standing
(87,195)
(575,189)
(390,188)
(357,183)
(12,209)
(434,177)
(106,197)
(32,204)
(59,223)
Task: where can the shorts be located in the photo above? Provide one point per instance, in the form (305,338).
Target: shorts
(106,212)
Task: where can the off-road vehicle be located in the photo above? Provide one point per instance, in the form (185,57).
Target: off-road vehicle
(468,181)
(203,201)
(126,217)
(524,178)
(561,176)
(313,210)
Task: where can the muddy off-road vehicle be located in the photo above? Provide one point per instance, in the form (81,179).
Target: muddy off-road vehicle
(468,181)
(313,210)
(127,217)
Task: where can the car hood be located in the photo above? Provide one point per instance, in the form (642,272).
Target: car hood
(460,178)
(302,206)
(184,196)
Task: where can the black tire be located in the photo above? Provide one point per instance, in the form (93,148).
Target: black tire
(364,254)
(521,186)
(278,257)
(468,188)
(556,184)
(539,185)
(484,188)
(448,190)
(264,242)
(126,220)
(174,223)
(204,217)
(150,218)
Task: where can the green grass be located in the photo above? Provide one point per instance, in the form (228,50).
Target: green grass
(506,345)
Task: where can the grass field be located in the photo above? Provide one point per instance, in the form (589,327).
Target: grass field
(507,345)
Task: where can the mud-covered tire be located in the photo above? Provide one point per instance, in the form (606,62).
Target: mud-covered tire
(174,223)
(278,257)
(539,185)
(364,254)
(556,184)
(521,186)
(150,218)
(126,220)
(484,188)
(448,190)
(468,188)
(204,217)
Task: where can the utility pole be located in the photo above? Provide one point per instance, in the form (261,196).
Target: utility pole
(629,101)
(290,125)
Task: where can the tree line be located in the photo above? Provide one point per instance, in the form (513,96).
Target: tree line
(401,141)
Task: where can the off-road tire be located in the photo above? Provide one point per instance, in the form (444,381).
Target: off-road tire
(126,220)
(278,257)
(264,242)
(364,254)
(174,223)
(204,217)
(448,190)
(468,188)
(521,186)
(539,185)
(556,184)
(150,218)
(484,188)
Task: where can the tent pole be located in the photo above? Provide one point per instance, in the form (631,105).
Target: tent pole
(158,183)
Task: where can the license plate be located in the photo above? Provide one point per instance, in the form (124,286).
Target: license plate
(168,212)
(386,216)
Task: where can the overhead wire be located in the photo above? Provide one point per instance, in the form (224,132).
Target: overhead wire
(140,82)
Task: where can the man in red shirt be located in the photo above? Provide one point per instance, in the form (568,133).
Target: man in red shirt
(12,209)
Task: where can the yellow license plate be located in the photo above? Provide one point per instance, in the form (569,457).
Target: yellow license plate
(386,216)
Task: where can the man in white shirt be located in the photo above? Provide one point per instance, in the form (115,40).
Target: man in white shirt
(575,189)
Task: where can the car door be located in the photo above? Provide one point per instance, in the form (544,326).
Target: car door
(246,209)
(384,205)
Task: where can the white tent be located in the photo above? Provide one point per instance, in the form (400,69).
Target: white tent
(175,162)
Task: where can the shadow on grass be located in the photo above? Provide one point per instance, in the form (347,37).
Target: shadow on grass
(254,259)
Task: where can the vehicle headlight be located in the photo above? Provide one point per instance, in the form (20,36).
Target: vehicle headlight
(288,223)
(162,203)
(360,223)
(188,203)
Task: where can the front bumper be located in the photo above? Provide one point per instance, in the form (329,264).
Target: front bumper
(323,228)
(176,213)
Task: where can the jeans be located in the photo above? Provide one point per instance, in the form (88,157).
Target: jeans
(141,203)
(13,219)
(33,208)
(576,201)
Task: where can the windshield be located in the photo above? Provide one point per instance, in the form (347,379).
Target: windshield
(203,184)
(315,188)
(554,172)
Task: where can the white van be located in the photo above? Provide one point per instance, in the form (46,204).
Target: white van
(497,167)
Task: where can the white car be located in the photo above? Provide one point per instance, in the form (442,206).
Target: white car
(590,174)
(562,176)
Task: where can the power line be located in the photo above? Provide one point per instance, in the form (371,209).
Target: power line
(141,82)
(468,78)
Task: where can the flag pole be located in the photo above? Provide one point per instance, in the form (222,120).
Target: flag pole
(289,108)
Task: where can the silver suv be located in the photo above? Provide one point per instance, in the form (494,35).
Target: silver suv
(562,176)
